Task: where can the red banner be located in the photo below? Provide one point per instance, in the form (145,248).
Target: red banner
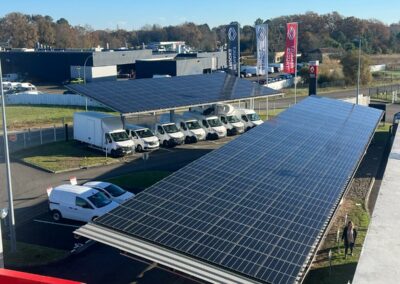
(291,48)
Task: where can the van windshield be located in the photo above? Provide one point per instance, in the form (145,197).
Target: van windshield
(253,117)
(170,128)
(215,122)
(232,118)
(193,125)
(114,190)
(145,133)
(119,136)
(99,199)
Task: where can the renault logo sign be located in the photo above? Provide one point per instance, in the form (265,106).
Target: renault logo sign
(232,34)
(291,33)
(261,33)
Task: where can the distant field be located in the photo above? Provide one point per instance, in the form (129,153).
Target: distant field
(23,117)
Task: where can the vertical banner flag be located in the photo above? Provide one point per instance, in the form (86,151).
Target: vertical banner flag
(262,48)
(233,52)
(291,48)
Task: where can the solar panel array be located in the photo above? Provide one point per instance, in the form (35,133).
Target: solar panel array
(256,206)
(143,95)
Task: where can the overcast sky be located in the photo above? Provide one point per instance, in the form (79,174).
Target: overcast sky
(133,14)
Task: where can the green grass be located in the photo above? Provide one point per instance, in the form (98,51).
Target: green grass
(63,155)
(32,255)
(342,269)
(139,180)
(21,117)
(271,113)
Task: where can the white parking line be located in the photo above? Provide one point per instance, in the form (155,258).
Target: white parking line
(54,223)
(168,150)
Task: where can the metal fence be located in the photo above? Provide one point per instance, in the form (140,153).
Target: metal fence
(387,92)
(30,138)
(51,99)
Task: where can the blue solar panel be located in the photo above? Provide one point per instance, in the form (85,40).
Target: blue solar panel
(143,95)
(257,205)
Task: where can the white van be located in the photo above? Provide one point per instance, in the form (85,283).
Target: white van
(112,191)
(229,117)
(190,127)
(211,124)
(81,203)
(143,137)
(249,117)
(168,134)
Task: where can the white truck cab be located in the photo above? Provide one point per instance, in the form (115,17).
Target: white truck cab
(102,131)
(112,191)
(211,124)
(249,117)
(80,203)
(168,134)
(229,117)
(143,137)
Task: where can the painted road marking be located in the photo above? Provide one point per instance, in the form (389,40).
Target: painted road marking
(54,223)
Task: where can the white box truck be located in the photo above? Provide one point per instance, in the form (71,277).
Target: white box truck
(102,131)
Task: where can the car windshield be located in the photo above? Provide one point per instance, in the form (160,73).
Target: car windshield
(193,125)
(99,199)
(114,190)
(214,122)
(232,118)
(170,128)
(145,133)
(119,136)
(253,117)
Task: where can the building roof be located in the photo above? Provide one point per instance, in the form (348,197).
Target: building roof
(161,94)
(254,210)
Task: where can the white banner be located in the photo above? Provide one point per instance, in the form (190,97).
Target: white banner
(262,48)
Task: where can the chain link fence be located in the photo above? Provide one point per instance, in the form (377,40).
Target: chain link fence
(34,137)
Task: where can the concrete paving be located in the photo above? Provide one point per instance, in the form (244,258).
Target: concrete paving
(379,260)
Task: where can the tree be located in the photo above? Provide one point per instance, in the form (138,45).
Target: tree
(19,29)
(350,68)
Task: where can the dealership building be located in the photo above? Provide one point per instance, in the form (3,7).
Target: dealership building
(63,65)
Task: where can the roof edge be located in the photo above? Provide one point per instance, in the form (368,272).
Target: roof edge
(161,255)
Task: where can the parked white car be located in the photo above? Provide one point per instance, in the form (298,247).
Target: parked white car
(168,134)
(80,203)
(112,191)
(143,137)
(249,117)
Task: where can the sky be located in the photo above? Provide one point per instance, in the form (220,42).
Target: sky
(134,14)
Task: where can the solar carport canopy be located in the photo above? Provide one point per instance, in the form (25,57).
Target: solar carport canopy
(146,95)
(254,210)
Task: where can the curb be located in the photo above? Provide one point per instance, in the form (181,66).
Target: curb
(366,200)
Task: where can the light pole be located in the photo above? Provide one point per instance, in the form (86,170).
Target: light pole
(84,68)
(84,75)
(8,170)
(359,69)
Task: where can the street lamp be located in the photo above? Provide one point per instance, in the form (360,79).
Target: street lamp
(84,68)
(8,169)
(359,69)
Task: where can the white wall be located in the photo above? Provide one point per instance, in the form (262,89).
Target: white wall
(91,72)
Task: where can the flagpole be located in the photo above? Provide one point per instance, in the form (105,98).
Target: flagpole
(267,61)
(295,66)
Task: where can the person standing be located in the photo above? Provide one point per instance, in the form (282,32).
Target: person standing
(349,237)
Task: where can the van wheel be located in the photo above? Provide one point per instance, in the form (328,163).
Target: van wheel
(56,215)
(165,143)
(188,140)
(248,128)
(113,153)
(139,148)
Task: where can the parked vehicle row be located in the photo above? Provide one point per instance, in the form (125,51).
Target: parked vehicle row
(85,202)
(107,133)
